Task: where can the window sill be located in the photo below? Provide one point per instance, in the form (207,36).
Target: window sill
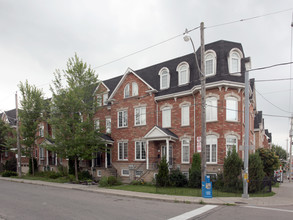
(139,160)
(212,121)
(212,163)
(183,84)
(139,125)
(121,160)
(232,121)
(185,125)
(185,162)
(121,127)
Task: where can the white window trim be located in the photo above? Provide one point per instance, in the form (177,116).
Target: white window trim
(108,119)
(212,108)
(178,69)
(168,78)
(214,58)
(231,136)
(99,100)
(122,174)
(140,118)
(126,89)
(182,155)
(105,98)
(99,173)
(123,119)
(236,108)
(214,137)
(97,124)
(122,142)
(182,115)
(235,50)
(138,171)
(133,84)
(164,121)
(141,142)
(41,131)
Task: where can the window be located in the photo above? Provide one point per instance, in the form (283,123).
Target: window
(41,153)
(99,173)
(211,149)
(210,63)
(108,125)
(166,117)
(140,116)
(185,146)
(186,174)
(211,109)
(124,172)
(235,61)
(138,173)
(183,73)
(99,100)
(122,151)
(185,115)
(122,119)
(97,124)
(140,150)
(231,109)
(41,131)
(164,78)
(134,89)
(231,142)
(126,91)
(105,99)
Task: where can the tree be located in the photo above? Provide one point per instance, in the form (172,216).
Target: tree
(4,130)
(195,171)
(256,173)
(232,171)
(72,111)
(32,104)
(163,174)
(280,152)
(270,161)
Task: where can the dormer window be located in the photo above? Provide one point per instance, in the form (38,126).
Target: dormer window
(210,63)
(183,73)
(105,99)
(234,61)
(126,91)
(164,78)
(134,89)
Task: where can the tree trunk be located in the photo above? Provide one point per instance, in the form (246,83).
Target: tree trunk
(33,165)
(75,168)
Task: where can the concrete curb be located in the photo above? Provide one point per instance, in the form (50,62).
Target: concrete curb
(160,197)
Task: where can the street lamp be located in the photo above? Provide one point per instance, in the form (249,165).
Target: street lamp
(201,70)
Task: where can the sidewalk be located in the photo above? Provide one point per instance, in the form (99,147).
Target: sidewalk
(284,194)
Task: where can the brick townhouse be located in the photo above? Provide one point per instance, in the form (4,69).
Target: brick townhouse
(155,112)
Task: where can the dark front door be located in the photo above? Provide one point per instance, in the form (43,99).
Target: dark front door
(108,157)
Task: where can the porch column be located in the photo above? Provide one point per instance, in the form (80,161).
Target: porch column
(147,155)
(93,160)
(106,157)
(56,160)
(167,150)
(47,158)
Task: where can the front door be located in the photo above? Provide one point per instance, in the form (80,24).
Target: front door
(108,157)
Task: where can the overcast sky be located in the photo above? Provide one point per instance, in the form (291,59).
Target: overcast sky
(38,37)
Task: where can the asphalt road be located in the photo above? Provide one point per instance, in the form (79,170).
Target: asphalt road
(26,201)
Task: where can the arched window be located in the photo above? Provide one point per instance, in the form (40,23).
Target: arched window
(235,61)
(211,109)
(134,89)
(231,109)
(231,142)
(164,78)
(210,63)
(211,149)
(183,73)
(126,91)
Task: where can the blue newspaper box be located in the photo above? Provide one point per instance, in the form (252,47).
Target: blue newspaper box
(207,188)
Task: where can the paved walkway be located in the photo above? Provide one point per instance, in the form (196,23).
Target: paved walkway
(284,194)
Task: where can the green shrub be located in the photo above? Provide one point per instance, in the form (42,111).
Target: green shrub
(177,178)
(256,173)
(9,173)
(137,182)
(84,175)
(219,182)
(103,182)
(163,174)
(195,172)
(112,181)
(54,175)
(62,170)
(10,165)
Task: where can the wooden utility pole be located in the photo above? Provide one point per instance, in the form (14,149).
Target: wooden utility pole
(17,138)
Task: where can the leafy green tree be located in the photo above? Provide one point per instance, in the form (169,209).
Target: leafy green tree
(279,151)
(72,112)
(270,161)
(256,173)
(195,171)
(163,174)
(232,171)
(32,103)
(4,130)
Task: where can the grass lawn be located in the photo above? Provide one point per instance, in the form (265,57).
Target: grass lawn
(46,179)
(182,191)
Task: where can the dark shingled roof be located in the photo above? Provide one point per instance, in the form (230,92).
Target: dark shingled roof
(269,135)
(11,115)
(106,137)
(150,74)
(257,119)
(168,132)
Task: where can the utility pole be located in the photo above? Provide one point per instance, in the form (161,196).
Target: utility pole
(17,138)
(203,103)
(246,138)
(290,152)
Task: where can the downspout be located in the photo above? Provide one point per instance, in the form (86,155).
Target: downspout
(193,122)
(157,113)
